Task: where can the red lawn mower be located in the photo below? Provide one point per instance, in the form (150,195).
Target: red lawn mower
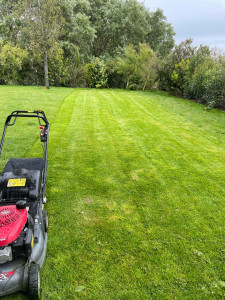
(23,222)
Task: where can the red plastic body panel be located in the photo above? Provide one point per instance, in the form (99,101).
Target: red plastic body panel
(12,221)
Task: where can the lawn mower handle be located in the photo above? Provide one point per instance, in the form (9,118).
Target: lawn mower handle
(30,114)
(26,114)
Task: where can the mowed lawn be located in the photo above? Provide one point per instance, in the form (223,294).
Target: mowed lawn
(136,192)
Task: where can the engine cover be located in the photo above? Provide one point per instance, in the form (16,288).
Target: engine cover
(12,221)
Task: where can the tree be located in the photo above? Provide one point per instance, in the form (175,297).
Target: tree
(10,22)
(128,65)
(135,17)
(78,34)
(106,18)
(65,35)
(42,26)
(147,66)
(117,24)
(11,61)
(96,75)
(160,34)
(179,74)
(184,51)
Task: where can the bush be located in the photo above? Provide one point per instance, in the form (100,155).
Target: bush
(207,84)
(173,68)
(12,59)
(96,74)
(115,79)
(178,76)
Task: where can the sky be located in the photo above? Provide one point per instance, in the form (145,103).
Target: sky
(202,20)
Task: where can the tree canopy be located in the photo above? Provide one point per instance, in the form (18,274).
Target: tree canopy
(72,33)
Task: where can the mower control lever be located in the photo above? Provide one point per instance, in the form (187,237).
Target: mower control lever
(43,134)
(42,130)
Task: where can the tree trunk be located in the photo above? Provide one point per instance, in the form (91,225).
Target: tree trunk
(147,79)
(127,84)
(46,70)
(144,86)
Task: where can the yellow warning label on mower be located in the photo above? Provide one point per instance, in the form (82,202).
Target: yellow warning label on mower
(16,182)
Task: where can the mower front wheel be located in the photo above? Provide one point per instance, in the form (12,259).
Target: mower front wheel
(34,282)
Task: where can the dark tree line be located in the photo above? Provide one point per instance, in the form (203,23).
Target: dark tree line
(58,38)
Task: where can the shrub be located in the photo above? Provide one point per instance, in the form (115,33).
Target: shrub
(12,59)
(178,76)
(96,74)
(208,84)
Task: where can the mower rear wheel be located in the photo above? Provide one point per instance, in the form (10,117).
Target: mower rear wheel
(34,282)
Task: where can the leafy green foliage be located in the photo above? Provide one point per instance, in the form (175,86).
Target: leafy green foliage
(12,59)
(161,33)
(115,79)
(107,19)
(184,51)
(42,26)
(194,73)
(57,68)
(208,84)
(148,62)
(138,67)
(42,23)
(96,75)
(84,30)
(178,75)
(128,65)
(78,32)
(136,26)
(10,22)
(120,23)
(89,73)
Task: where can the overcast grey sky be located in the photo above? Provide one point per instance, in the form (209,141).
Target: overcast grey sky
(202,20)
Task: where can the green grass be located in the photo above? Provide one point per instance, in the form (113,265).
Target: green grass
(136,190)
